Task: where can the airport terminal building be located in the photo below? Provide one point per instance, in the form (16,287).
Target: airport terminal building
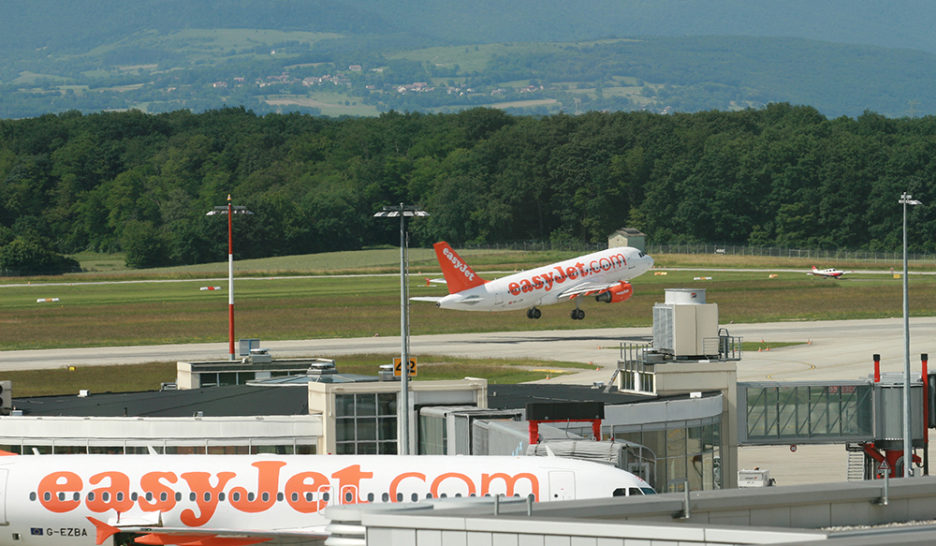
(667,440)
(669,414)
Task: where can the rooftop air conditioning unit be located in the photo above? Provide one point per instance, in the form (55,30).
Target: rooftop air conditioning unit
(260,356)
(321,366)
(385,373)
(685,326)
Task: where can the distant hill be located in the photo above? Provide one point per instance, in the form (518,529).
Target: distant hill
(895,24)
(359,57)
(85,24)
(28,24)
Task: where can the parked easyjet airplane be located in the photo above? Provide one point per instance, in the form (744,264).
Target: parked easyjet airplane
(236,500)
(601,274)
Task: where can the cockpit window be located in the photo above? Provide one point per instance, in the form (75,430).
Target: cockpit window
(633,491)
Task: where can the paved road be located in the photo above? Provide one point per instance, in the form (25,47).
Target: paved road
(829,350)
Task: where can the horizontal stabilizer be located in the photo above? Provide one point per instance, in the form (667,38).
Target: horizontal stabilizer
(433,299)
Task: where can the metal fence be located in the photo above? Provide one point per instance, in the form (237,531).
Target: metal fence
(891,257)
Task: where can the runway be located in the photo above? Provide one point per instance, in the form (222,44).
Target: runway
(839,349)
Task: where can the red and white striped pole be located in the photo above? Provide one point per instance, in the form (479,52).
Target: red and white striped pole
(230,215)
(924,357)
(230,211)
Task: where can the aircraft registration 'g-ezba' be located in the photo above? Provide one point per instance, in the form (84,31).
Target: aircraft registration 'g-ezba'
(603,275)
(236,500)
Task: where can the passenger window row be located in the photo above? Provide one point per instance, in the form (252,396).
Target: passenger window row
(265,496)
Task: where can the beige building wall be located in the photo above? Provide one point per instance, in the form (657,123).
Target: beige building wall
(627,237)
(675,378)
(472,392)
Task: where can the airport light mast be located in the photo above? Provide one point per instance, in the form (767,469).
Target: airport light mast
(906,199)
(403,211)
(230,211)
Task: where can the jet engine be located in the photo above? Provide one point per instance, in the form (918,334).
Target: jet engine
(617,293)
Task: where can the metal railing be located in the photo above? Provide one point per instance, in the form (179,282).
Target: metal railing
(880,257)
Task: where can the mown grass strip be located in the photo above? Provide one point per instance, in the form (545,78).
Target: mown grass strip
(88,315)
(147,377)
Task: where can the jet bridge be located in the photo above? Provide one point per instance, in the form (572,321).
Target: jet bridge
(865,415)
(806,413)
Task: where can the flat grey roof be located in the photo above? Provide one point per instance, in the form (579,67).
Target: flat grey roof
(230,401)
(280,399)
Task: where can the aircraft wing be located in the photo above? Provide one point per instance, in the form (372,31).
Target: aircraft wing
(228,537)
(470,300)
(587,289)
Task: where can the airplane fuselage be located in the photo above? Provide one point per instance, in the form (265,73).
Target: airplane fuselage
(546,285)
(47,499)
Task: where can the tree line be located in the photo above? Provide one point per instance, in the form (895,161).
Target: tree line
(142,184)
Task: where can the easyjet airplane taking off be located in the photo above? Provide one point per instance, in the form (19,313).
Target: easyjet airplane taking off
(236,500)
(603,275)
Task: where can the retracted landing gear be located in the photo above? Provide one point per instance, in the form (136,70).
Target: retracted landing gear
(534,313)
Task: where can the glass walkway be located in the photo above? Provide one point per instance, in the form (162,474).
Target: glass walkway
(803,413)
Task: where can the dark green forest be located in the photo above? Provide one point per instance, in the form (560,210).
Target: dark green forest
(140,183)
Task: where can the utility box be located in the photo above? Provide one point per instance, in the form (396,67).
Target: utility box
(684,325)
(754,478)
(244,346)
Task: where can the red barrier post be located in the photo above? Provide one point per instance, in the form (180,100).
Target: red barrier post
(925,360)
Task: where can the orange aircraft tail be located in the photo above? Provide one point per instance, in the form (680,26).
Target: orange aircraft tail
(458,274)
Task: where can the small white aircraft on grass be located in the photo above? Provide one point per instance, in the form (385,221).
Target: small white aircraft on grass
(238,500)
(603,275)
(827,273)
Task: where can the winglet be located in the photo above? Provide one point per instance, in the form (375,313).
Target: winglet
(458,274)
(104,531)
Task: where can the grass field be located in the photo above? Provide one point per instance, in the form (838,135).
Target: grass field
(109,305)
(175,310)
